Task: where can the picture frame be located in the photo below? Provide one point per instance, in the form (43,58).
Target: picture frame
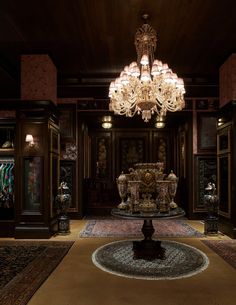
(132,151)
(207,132)
(67,124)
(33,183)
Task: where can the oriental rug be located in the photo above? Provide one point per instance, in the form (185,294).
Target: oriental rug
(25,265)
(180,261)
(132,228)
(224,248)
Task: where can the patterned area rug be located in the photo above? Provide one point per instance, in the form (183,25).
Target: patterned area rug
(25,265)
(224,248)
(132,228)
(181,261)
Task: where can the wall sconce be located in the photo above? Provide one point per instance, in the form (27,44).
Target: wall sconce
(160,123)
(220,122)
(30,140)
(106,122)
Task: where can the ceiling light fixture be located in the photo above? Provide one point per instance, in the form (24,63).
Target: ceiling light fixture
(160,122)
(149,86)
(106,122)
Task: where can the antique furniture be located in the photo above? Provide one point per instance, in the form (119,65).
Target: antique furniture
(146,194)
(148,248)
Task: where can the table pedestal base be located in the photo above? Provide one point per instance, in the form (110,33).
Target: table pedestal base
(148,249)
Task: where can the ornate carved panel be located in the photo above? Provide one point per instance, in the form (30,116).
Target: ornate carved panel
(161,149)
(101,153)
(132,150)
(68,123)
(205,171)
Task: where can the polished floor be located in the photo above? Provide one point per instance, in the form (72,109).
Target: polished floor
(76,281)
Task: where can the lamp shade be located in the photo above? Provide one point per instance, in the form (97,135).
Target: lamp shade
(29,138)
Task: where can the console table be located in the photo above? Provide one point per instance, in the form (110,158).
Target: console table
(148,248)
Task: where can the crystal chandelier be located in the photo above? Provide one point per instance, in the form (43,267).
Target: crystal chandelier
(147,86)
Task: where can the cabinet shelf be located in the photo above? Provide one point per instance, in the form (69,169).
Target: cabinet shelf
(6,151)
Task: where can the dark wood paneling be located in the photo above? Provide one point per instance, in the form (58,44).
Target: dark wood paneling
(90,40)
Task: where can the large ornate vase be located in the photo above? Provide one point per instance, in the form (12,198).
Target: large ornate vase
(211,200)
(122,186)
(172,189)
(63,202)
(163,196)
(133,187)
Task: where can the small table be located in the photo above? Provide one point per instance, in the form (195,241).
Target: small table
(148,248)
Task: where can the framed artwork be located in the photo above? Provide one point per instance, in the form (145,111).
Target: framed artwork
(131,152)
(205,172)
(207,127)
(67,124)
(161,149)
(33,183)
(102,160)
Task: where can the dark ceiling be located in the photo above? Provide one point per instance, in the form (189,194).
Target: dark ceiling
(90,41)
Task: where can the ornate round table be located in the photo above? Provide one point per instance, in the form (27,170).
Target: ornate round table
(148,248)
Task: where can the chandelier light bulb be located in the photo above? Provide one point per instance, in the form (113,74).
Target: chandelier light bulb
(145,76)
(144,60)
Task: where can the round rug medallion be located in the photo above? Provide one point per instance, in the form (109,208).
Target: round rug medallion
(181,261)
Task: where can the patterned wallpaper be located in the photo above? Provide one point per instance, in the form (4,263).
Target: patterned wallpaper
(38,78)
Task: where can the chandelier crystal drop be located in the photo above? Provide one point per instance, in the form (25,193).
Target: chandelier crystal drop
(147,86)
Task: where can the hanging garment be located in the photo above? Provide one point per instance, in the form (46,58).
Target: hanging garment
(6,184)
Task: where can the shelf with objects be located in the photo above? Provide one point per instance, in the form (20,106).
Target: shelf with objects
(147,194)
(7,171)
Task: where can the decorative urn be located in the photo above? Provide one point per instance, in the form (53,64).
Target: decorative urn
(172,188)
(211,200)
(122,185)
(63,201)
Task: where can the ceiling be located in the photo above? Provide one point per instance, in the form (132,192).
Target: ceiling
(90,41)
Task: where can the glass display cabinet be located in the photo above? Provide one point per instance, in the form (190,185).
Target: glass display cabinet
(7,173)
